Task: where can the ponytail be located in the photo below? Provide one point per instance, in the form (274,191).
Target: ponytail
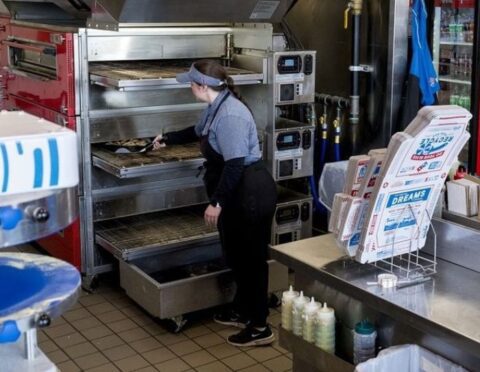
(233,89)
(214,69)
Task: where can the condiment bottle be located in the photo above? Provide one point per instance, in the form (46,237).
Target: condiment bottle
(325,329)
(309,316)
(297,313)
(287,304)
(364,338)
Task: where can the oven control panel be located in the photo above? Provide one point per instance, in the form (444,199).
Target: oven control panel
(293,217)
(291,149)
(294,77)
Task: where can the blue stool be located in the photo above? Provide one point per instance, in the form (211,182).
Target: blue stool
(33,290)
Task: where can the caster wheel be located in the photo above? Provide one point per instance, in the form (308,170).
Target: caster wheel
(90,283)
(175,324)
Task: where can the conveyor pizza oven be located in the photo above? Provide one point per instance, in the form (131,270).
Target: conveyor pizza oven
(108,69)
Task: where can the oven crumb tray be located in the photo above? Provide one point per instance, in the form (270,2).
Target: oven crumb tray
(154,75)
(139,236)
(130,165)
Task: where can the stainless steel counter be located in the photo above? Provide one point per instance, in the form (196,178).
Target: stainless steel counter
(442,314)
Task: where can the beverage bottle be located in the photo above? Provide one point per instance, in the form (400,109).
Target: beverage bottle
(287,305)
(364,337)
(452,29)
(454,98)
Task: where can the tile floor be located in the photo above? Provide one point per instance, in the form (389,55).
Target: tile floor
(106,331)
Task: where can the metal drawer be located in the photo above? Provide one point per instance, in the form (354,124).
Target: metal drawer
(178,297)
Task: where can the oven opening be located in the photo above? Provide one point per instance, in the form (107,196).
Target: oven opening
(34,59)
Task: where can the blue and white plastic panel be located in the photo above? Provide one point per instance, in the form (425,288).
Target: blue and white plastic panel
(35,154)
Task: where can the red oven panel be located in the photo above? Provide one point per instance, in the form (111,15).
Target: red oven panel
(57,92)
(65,244)
(40,111)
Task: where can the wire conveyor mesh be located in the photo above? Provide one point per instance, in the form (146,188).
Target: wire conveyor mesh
(147,70)
(155,229)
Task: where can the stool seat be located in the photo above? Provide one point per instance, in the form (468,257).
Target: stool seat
(32,284)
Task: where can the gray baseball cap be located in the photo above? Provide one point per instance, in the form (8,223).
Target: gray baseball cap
(195,76)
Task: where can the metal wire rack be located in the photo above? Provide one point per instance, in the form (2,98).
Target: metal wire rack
(411,267)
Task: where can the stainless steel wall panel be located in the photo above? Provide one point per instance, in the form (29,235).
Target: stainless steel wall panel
(319,26)
(146,201)
(145,47)
(253,36)
(140,126)
(110,99)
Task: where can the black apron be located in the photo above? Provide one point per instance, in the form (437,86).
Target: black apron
(214,161)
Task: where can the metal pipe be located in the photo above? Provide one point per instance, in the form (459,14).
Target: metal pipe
(356,6)
(327,99)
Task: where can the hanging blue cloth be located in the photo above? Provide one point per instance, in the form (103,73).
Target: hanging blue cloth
(422,63)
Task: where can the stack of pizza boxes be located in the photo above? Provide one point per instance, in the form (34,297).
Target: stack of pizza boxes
(389,196)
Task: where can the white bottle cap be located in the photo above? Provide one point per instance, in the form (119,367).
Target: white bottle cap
(290,294)
(326,314)
(301,300)
(312,307)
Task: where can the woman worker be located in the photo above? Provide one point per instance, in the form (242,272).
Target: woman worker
(242,195)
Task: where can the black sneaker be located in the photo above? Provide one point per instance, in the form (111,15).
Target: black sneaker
(231,318)
(251,336)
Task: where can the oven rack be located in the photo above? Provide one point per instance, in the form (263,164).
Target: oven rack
(170,158)
(132,237)
(125,76)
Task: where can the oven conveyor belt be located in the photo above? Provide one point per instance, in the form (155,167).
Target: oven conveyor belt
(130,237)
(154,74)
(147,163)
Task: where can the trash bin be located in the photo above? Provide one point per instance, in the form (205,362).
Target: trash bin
(408,358)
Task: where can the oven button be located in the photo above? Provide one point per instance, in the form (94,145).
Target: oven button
(308,64)
(305,212)
(306,139)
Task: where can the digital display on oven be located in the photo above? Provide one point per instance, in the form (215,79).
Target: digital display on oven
(289,64)
(288,140)
(287,214)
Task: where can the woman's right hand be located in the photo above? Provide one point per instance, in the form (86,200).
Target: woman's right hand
(159,142)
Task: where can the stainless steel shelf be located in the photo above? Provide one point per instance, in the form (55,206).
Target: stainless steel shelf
(455,43)
(127,76)
(472,222)
(455,81)
(138,236)
(171,158)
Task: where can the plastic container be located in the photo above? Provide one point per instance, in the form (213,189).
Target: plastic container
(297,313)
(309,320)
(364,338)
(408,358)
(325,329)
(287,305)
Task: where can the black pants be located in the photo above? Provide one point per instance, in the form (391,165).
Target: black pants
(245,229)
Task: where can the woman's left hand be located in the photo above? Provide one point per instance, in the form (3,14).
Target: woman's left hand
(211,215)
